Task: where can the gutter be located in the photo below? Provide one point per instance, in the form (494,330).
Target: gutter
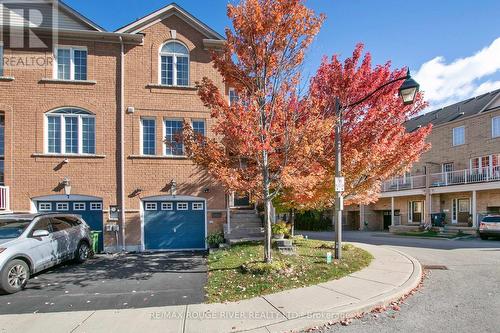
(122,143)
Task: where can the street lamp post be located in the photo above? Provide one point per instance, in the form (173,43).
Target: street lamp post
(407,92)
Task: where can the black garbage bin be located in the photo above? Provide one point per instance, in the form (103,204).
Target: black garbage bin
(438,219)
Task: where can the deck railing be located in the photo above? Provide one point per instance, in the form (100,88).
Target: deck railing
(404,183)
(477,175)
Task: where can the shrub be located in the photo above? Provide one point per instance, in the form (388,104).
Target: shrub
(312,221)
(215,239)
(264,268)
(280,228)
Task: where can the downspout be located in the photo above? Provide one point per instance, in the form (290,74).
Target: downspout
(122,142)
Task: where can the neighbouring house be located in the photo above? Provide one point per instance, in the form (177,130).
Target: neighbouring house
(459,176)
(89,125)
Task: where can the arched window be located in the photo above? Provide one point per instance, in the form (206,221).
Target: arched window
(70,131)
(174,64)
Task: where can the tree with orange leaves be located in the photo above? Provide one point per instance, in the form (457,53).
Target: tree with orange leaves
(376,145)
(262,133)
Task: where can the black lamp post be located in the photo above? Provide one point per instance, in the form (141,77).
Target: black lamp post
(407,92)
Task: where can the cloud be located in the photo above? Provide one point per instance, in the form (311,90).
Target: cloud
(446,83)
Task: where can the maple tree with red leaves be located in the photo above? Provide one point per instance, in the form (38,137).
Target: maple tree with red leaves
(272,141)
(375,143)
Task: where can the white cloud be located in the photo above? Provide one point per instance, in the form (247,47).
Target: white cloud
(446,83)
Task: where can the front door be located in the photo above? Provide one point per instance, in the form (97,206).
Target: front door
(460,211)
(241,199)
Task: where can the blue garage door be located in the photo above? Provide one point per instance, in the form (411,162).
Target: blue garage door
(174,225)
(90,211)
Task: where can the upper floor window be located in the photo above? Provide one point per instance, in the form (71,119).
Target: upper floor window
(148,126)
(70,131)
(173,141)
(495,127)
(459,136)
(233,96)
(2,148)
(1,59)
(174,64)
(199,127)
(70,63)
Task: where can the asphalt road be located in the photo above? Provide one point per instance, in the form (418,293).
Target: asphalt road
(463,298)
(113,282)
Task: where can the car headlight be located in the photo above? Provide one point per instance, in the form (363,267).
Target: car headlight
(2,249)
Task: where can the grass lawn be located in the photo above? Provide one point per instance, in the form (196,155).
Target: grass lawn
(429,233)
(237,273)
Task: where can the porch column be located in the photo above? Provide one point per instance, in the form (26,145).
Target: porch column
(393,222)
(361,217)
(474,209)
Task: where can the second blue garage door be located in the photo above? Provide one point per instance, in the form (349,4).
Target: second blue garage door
(174,225)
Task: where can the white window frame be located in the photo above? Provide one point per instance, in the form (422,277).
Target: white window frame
(174,64)
(167,206)
(141,133)
(165,137)
(181,205)
(77,206)
(455,144)
(149,206)
(493,133)
(45,206)
(197,206)
(72,49)
(62,116)
(96,206)
(62,206)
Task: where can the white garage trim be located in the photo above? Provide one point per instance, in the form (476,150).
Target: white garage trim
(171,198)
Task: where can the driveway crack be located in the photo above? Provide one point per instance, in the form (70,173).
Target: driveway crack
(83,321)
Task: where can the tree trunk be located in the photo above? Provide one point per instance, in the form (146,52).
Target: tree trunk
(267,208)
(292,222)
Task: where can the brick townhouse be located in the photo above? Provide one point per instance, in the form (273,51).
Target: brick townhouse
(83,126)
(459,176)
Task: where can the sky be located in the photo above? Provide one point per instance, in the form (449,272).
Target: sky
(451,46)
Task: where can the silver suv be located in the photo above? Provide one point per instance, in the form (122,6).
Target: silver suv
(34,242)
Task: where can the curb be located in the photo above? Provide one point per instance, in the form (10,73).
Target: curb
(348,311)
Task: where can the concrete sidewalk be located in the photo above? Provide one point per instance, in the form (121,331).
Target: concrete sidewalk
(390,275)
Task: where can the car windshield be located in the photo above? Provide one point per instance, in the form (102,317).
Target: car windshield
(491,219)
(12,228)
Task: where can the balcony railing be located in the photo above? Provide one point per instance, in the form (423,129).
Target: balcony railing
(468,176)
(4,198)
(478,175)
(404,183)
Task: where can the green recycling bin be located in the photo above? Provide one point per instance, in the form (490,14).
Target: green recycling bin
(94,235)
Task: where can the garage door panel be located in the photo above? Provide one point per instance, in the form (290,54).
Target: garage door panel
(173,229)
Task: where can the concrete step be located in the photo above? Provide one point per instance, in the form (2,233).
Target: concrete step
(247,239)
(245,229)
(245,218)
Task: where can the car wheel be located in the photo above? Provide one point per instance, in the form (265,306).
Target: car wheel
(14,276)
(483,237)
(82,252)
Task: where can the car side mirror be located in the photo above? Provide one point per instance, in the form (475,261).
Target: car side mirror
(40,233)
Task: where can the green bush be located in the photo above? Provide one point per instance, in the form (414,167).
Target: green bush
(263,268)
(215,239)
(312,221)
(280,228)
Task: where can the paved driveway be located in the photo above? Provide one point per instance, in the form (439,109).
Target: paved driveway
(114,282)
(463,298)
